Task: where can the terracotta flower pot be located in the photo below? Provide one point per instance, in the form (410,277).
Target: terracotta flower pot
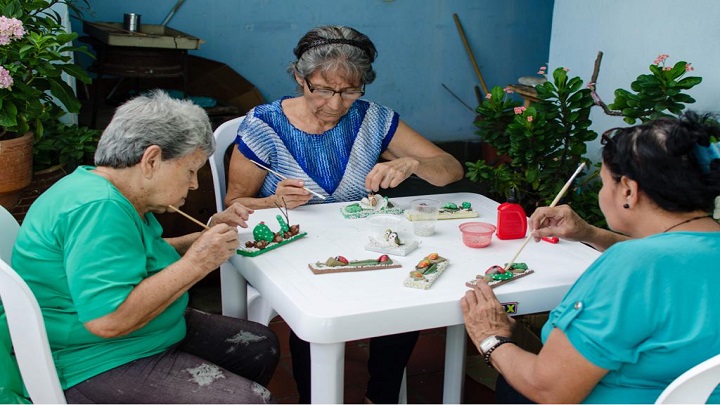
(15,168)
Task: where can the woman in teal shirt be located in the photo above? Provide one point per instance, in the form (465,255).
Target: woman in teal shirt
(113,291)
(647,310)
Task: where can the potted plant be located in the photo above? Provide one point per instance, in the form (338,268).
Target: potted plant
(35,50)
(545,142)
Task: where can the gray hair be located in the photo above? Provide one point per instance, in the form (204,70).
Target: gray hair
(178,127)
(335,48)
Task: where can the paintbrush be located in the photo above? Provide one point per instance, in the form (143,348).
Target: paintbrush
(320,196)
(188,217)
(552,204)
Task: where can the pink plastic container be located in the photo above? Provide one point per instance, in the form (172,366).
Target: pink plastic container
(477,234)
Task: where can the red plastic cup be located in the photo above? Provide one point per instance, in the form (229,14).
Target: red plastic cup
(477,234)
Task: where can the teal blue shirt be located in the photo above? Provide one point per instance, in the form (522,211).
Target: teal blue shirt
(82,248)
(647,310)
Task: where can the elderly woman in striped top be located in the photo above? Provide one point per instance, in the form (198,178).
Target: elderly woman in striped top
(329,140)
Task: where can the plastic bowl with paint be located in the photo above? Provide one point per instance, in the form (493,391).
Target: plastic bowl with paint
(477,234)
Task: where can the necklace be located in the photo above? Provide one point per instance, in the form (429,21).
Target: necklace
(686,221)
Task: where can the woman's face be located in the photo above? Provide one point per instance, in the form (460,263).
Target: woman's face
(332,108)
(610,199)
(175,178)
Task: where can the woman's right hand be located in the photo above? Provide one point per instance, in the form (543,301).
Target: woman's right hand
(291,194)
(560,221)
(213,247)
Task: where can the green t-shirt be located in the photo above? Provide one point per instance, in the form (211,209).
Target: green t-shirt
(82,248)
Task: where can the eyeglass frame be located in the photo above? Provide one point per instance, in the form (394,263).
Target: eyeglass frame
(352,92)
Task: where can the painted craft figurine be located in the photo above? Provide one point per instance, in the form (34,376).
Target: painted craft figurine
(498,275)
(264,239)
(389,242)
(370,205)
(340,264)
(426,272)
(452,211)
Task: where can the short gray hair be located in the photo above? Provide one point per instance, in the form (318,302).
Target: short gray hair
(334,47)
(178,127)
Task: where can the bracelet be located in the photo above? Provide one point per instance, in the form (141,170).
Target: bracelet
(492,349)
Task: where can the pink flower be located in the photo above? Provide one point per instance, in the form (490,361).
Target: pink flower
(10,29)
(661,58)
(542,70)
(508,90)
(5,79)
(519,110)
(488,96)
(591,86)
(529,118)
(566,69)
(689,68)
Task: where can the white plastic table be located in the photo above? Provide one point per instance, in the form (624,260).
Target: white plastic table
(328,310)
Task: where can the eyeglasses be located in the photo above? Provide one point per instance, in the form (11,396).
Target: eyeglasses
(348,94)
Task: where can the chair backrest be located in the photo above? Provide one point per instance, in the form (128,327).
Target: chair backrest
(9,228)
(225,135)
(693,386)
(29,338)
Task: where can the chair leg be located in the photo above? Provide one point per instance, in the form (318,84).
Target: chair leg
(233,292)
(259,310)
(403,397)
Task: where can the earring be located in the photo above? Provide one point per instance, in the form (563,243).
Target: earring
(626,205)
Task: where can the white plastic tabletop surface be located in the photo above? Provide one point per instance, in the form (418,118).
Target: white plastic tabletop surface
(339,307)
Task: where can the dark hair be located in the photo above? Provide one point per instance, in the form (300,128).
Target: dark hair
(659,155)
(334,47)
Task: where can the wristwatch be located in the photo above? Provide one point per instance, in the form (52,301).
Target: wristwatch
(489,344)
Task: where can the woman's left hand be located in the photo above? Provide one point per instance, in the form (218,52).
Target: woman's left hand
(234,215)
(484,315)
(390,174)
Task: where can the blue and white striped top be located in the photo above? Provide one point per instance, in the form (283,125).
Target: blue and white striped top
(333,164)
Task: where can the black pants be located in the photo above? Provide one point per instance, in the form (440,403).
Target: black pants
(221,360)
(388,358)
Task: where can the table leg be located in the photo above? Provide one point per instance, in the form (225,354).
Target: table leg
(233,291)
(327,371)
(454,364)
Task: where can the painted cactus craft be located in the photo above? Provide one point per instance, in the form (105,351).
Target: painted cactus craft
(264,239)
(498,275)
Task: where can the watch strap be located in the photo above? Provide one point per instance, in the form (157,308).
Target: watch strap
(500,341)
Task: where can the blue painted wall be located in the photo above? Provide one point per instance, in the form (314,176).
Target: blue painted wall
(418,43)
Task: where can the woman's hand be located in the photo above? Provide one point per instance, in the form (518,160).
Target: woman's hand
(213,247)
(390,174)
(234,215)
(291,194)
(484,315)
(560,221)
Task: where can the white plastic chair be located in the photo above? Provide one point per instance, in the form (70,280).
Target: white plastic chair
(693,386)
(10,228)
(236,300)
(26,325)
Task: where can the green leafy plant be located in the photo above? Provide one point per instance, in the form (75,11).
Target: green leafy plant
(542,144)
(65,145)
(35,53)
(658,94)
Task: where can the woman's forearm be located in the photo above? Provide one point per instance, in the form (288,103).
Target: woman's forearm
(148,299)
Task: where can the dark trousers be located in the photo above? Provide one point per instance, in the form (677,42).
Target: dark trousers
(388,358)
(221,360)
